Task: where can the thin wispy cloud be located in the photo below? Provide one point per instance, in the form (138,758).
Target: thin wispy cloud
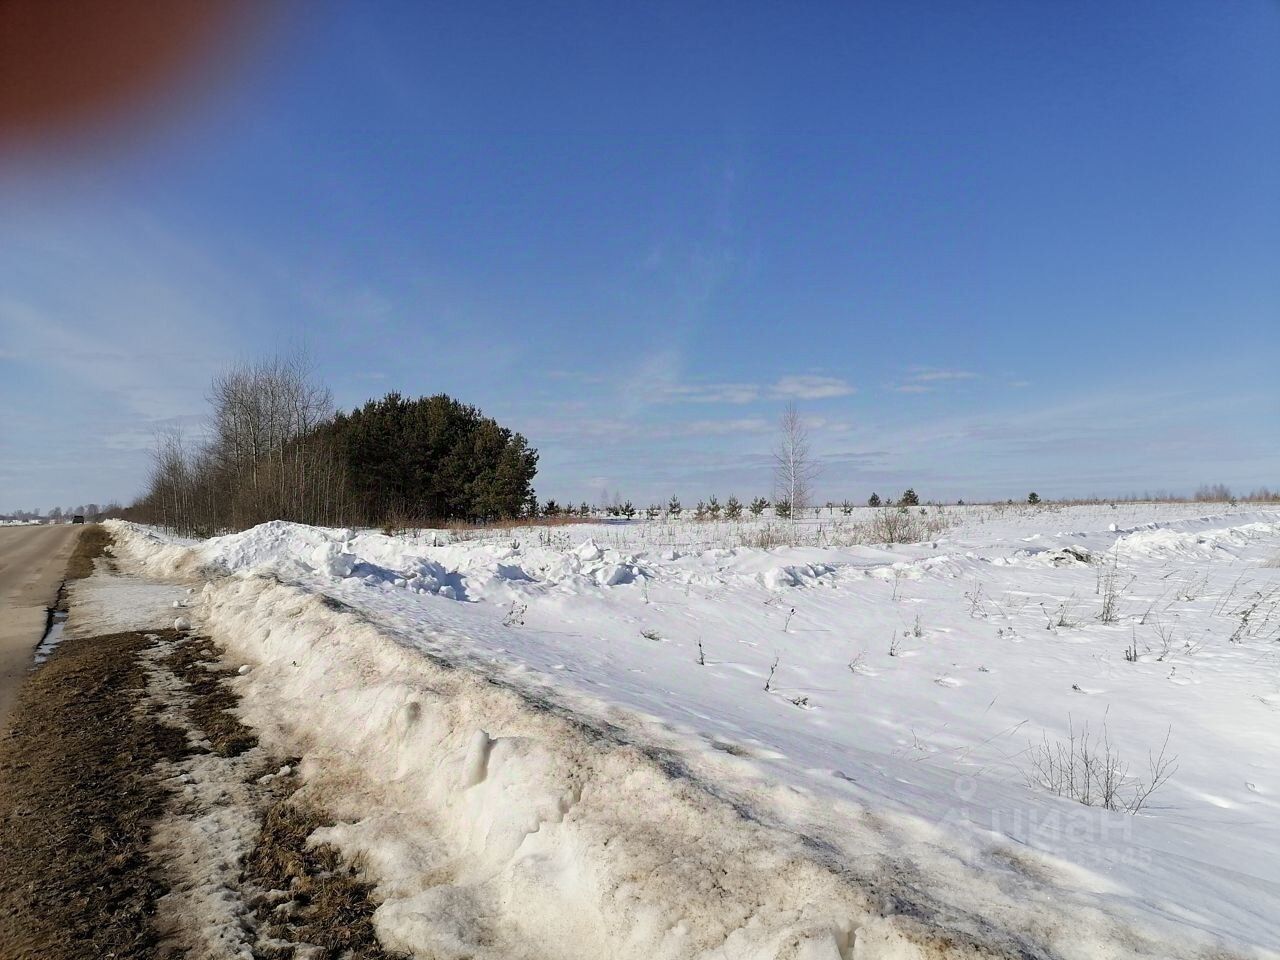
(708,393)
(716,428)
(930,379)
(811,388)
(594,431)
(577,376)
(928,375)
(795,387)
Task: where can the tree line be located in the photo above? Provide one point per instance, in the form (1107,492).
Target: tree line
(57,514)
(278,449)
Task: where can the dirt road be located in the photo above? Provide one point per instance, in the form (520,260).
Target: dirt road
(33,561)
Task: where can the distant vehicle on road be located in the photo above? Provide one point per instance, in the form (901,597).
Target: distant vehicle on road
(78,518)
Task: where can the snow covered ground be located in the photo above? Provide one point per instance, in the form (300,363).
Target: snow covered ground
(876,710)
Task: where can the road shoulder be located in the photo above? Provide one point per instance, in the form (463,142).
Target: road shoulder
(77,800)
(140,818)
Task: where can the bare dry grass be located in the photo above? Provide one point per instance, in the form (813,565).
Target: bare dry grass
(211,699)
(519,522)
(91,544)
(1088,769)
(77,800)
(329,905)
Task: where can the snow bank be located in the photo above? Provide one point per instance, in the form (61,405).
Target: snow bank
(489,822)
(295,551)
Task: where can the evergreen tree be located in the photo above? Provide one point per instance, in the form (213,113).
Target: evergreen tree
(909,498)
(758,506)
(713,508)
(782,508)
(628,510)
(700,511)
(873,500)
(1033,497)
(673,507)
(846,508)
(551,509)
(732,508)
(433,457)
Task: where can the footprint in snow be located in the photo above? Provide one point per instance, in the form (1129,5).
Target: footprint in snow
(949,682)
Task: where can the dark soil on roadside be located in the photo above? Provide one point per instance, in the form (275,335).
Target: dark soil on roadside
(79,796)
(77,800)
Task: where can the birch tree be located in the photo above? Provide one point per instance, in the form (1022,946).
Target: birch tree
(794,470)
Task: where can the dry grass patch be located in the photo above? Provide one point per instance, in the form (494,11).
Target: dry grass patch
(327,904)
(77,801)
(91,544)
(517,523)
(192,660)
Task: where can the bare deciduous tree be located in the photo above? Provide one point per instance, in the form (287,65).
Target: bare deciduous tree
(262,413)
(264,440)
(794,470)
(170,482)
(265,456)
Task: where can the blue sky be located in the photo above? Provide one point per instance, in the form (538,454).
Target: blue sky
(986,247)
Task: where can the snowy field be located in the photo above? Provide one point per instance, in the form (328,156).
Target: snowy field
(901,710)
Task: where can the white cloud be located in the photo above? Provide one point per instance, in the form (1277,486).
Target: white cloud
(809,387)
